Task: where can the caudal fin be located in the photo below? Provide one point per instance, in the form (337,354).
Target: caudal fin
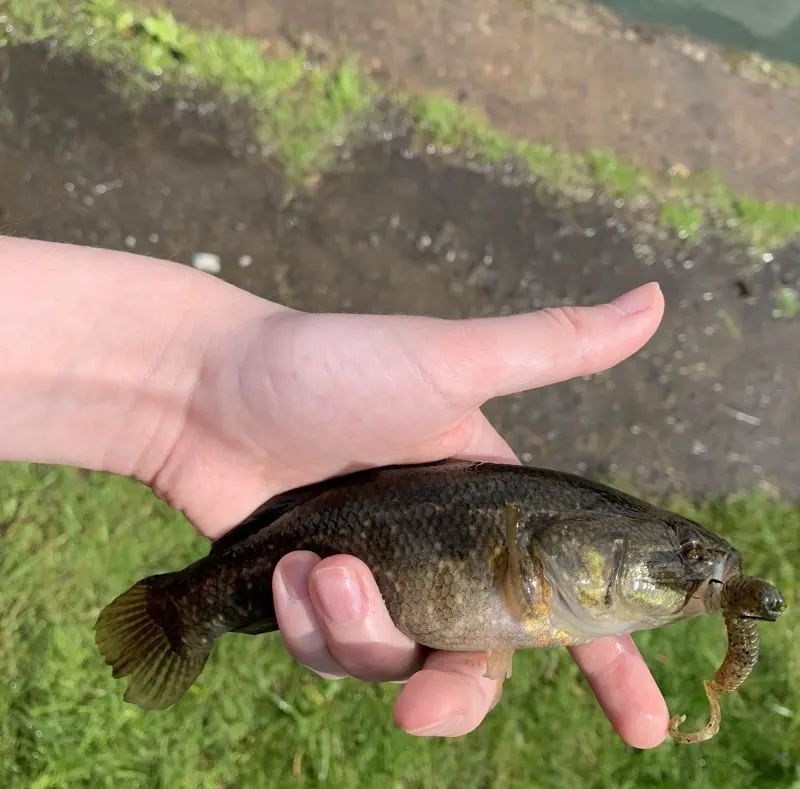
(131,635)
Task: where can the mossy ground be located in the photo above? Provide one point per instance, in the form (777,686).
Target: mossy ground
(300,109)
(687,203)
(297,108)
(72,541)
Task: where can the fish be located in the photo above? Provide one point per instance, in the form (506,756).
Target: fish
(468,556)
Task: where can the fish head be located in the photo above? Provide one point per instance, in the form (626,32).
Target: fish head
(675,570)
(619,572)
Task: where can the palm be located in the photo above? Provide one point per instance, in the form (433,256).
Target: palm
(307,397)
(350,391)
(296,398)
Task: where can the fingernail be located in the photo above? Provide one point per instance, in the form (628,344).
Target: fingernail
(637,300)
(339,594)
(295,582)
(295,586)
(444,726)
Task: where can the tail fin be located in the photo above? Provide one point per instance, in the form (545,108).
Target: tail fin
(131,633)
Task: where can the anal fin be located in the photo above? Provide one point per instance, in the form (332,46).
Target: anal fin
(499,667)
(499,664)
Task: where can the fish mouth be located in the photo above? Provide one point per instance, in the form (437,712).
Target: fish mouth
(732,566)
(728,566)
(706,596)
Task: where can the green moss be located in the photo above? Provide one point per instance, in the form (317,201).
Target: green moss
(618,178)
(445,123)
(688,204)
(766,223)
(298,110)
(756,68)
(682,216)
(786,303)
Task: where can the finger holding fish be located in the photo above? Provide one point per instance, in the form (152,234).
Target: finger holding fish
(339,626)
(446,694)
(297,619)
(355,624)
(448,685)
(449,697)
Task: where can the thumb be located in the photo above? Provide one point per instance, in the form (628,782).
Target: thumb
(471,361)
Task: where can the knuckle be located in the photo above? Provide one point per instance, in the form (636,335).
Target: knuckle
(359,662)
(567,321)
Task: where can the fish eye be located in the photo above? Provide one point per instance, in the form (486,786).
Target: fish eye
(692,550)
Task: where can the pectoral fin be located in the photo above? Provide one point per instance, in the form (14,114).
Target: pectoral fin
(514,587)
(523,585)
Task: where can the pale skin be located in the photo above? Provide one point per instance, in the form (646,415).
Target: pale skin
(218,399)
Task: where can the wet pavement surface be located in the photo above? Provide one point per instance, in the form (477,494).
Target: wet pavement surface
(708,406)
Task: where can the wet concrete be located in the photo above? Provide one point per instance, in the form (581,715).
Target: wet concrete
(558,72)
(708,406)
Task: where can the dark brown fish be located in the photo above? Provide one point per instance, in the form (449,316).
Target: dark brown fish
(467,555)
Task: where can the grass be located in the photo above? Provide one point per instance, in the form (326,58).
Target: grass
(300,109)
(785,302)
(254,718)
(686,203)
(297,109)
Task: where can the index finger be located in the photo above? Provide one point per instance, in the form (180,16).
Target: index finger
(625,689)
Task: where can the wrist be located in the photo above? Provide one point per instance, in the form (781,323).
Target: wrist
(101,352)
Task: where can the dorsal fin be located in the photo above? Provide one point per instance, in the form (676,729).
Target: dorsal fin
(279,505)
(266,514)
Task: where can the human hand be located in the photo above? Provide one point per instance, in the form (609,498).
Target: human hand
(219,400)
(297,398)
